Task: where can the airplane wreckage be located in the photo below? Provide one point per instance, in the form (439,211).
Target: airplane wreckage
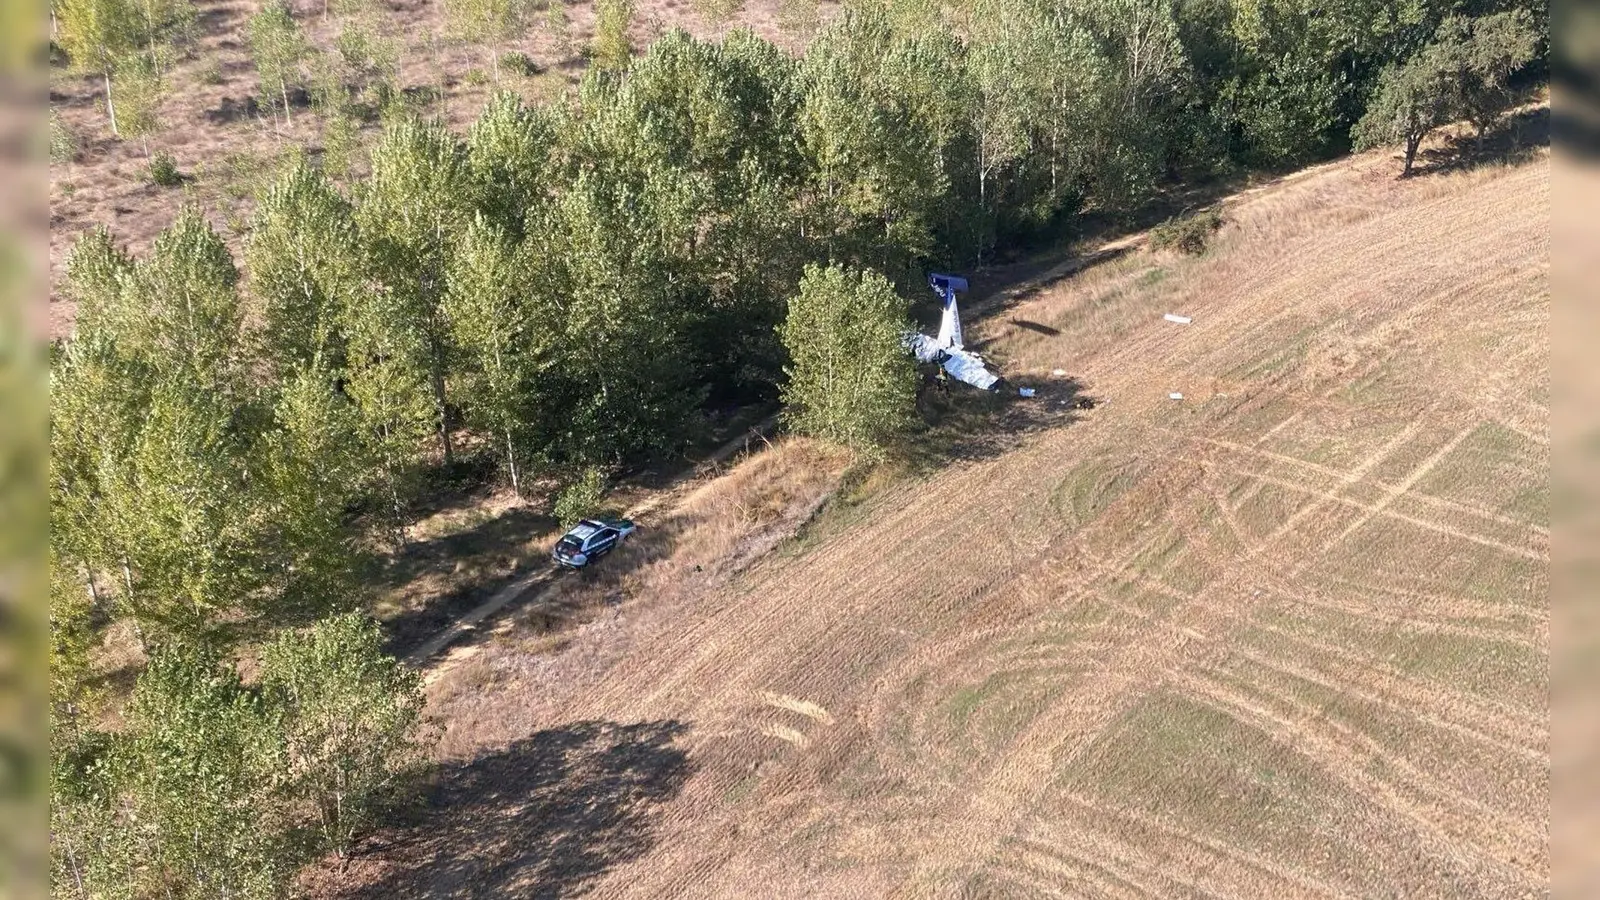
(945,349)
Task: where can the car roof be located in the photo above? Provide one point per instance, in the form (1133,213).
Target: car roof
(585,528)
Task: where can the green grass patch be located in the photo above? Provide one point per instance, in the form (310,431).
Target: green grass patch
(1482,665)
(1090,488)
(1180,760)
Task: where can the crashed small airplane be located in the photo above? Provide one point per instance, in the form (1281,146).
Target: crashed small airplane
(963,365)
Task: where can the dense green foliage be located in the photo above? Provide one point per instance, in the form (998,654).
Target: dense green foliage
(851,380)
(1186,234)
(1462,73)
(215,788)
(582,498)
(573,287)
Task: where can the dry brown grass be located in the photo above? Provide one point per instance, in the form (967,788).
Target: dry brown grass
(1286,637)
(715,531)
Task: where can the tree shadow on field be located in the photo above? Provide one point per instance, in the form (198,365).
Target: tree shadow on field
(542,818)
(1516,138)
(963,423)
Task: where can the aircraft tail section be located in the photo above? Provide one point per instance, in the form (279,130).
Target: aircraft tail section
(946,287)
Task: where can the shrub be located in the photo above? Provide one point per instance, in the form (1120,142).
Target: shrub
(211,72)
(63,143)
(717,10)
(581,498)
(1186,234)
(164,170)
(520,63)
(477,77)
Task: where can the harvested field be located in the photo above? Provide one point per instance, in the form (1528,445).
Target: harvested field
(1286,637)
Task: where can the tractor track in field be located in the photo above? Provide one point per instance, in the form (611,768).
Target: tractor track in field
(1285,637)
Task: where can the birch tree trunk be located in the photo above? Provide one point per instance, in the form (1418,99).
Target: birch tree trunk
(111,106)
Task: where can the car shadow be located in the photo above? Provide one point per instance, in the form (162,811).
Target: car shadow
(543,818)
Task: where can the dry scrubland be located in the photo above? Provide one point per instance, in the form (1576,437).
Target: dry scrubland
(1287,637)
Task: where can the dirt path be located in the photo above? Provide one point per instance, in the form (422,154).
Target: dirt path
(542,576)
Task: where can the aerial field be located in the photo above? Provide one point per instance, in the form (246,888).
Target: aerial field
(1284,637)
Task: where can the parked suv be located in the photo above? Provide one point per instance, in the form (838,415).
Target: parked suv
(589,540)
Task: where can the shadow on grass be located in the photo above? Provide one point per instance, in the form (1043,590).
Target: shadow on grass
(968,424)
(1515,139)
(463,569)
(1029,325)
(479,560)
(542,818)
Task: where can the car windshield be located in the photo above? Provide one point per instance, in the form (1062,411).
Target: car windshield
(570,545)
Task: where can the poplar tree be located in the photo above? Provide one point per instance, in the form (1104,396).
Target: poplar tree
(851,380)
(509,152)
(313,466)
(611,48)
(195,773)
(278,49)
(345,722)
(141,87)
(559,25)
(491,324)
(97,35)
(391,393)
(490,22)
(410,213)
(305,264)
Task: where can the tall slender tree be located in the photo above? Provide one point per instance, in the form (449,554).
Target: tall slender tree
(410,214)
(850,380)
(305,265)
(346,720)
(141,87)
(489,22)
(97,35)
(491,325)
(611,47)
(278,48)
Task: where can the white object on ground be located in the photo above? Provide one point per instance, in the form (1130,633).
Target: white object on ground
(1181,320)
(1058,372)
(1175,395)
(964,365)
(1025,392)
(945,348)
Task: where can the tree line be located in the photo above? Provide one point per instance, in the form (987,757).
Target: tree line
(572,286)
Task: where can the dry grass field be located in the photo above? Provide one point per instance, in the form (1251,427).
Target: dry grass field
(1285,637)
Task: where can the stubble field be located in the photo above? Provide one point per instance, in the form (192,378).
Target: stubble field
(1287,636)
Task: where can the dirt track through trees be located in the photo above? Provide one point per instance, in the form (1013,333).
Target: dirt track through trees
(1286,637)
